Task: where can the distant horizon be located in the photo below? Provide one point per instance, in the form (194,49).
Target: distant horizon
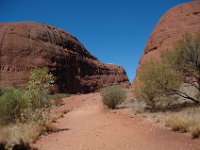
(114,31)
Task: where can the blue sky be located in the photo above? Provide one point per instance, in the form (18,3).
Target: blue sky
(115,31)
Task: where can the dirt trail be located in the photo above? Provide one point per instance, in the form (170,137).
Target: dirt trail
(91,127)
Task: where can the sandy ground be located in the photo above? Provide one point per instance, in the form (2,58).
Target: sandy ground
(89,126)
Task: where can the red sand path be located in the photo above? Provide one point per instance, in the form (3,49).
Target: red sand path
(91,127)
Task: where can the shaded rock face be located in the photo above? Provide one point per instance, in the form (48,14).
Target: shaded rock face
(182,19)
(26,45)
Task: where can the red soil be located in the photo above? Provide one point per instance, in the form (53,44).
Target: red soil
(89,126)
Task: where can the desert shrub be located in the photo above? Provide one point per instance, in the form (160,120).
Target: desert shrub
(113,96)
(37,99)
(23,104)
(12,104)
(157,80)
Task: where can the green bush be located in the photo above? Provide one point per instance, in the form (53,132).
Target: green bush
(37,99)
(113,96)
(157,81)
(26,104)
(12,103)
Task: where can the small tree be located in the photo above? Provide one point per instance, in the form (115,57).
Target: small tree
(40,79)
(185,57)
(38,85)
(177,66)
(157,80)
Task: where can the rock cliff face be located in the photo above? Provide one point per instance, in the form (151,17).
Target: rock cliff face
(25,45)
(182,19)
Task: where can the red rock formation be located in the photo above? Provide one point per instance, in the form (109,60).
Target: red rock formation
(182,19)
(25,45)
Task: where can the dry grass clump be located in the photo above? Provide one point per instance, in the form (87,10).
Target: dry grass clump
(188,121)
(180,115)
(195,131)
(14,134)
(28,132)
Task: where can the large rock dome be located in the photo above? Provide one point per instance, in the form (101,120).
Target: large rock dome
(181,19)
(26,45)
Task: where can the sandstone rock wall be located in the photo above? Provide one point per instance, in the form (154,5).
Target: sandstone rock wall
(26,45)
(182,19)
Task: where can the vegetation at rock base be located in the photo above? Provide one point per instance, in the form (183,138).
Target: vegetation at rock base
(19,104)
(12,104)
(113,96)
(179,66)
(156,82)
(174,81)
(38,85)
(185,58)
(26,113)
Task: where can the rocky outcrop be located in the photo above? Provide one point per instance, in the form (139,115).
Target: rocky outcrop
(182,19)
(26,45)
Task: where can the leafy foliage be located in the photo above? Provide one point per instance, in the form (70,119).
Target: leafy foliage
(39,82)
(185,57)
(40,79)
(12,103)
(24,104)
(157,80)
(177,66)
(113,96)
